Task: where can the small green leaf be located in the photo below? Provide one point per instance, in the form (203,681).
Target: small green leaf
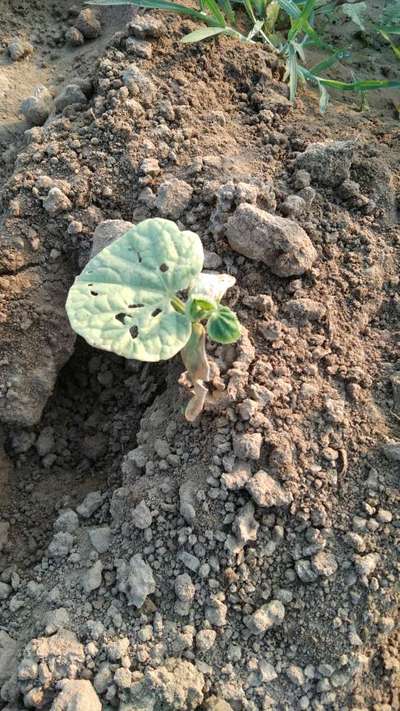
(202,34)
(211,285)
(122,300)
(223,326)
(200,308)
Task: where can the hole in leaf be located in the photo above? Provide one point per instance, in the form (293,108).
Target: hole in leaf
(135,306)
(156,312)
(94,293)
(164,267)
(139,256)
(121,317)
(134,331)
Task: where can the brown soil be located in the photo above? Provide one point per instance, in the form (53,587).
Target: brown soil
(213,115)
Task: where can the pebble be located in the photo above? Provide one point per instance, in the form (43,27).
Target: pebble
(266,491)
(88,24)
(142,516)
(37,108)
(17,50)
(56,202)
(265,617)
(276,241)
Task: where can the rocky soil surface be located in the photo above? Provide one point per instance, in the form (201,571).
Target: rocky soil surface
(249,561)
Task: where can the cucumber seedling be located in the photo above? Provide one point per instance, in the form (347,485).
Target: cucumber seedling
(129,300)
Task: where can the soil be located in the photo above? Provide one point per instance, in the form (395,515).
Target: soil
(308,395)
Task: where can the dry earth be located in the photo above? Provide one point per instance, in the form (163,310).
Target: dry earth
(249,561)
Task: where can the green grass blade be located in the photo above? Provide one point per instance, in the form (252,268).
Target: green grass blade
(250,11)
(165,5)
(360,85)
(301,24)
(228,10)
(290,8)
(395,49)
(390,29)
(218,16)
(328,62)
(202,34)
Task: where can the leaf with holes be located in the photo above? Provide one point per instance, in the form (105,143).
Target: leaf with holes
(122,300)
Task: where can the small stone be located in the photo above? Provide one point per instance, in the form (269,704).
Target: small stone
(92,579)
(135,579)
(295,674)
(216,612)
(265,617)
(17,50)
(103,678)
(245,526)
(305,572)
(266,491)
(71,94)
(88,24)
(76,695)
(150,166)
(90,504)
(247,446)
(117,649)
(276,241)
(37,108)
(384,516)
(45,442)
(324,564)
(61,545)
(139,47)
(303,310)
(173,198)
(100,538)
(189,560)
(56,202)
(146,26)
(5,591)
(391,451)
(267,672)
(67,521)
(74,37)
(238,478)
(184,588)
(293,205)
(366,564)
(142,516)
(327,163)
(205,640)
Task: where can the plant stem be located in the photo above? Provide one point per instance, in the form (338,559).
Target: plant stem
(178,305)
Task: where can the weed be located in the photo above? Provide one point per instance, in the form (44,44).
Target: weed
(128,300)
(287,27)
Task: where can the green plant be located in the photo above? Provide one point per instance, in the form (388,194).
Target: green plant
(287,27)
(128,299)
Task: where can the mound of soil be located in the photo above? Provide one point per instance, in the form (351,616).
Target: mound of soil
(248,561)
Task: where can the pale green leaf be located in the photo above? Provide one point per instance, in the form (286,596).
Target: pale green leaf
(356,11)
(202,34)
(121,301)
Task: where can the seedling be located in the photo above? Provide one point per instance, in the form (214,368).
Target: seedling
(129,300)
(287,27)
